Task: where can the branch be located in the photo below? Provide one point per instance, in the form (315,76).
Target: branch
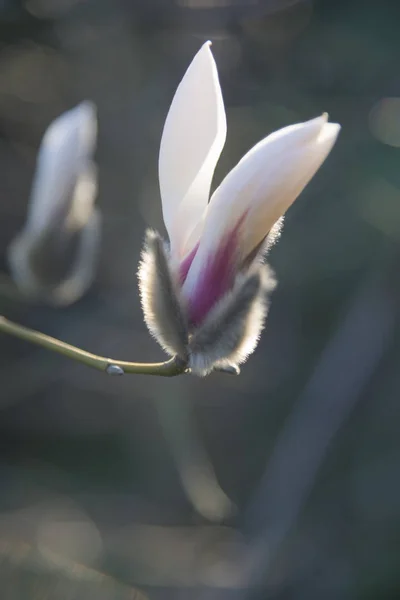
(169,368)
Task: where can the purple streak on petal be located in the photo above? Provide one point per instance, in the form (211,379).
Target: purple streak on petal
(186,263)
(216,278)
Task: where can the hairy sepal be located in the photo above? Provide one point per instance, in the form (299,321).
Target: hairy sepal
(159,296)
(230,332)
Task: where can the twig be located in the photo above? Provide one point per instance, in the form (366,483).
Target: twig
(169,368)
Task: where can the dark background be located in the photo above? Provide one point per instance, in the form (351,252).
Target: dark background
(282,483)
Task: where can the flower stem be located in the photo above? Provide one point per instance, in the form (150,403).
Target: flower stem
(169,368)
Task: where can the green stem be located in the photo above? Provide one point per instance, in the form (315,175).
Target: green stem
(169,368)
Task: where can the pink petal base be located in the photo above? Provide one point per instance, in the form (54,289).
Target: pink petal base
(186,264)
(216,278)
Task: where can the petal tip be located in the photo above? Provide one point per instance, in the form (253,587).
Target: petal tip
(326,130)
(205,48)
(88,108)
(207,52)
(329,132)
(319,121)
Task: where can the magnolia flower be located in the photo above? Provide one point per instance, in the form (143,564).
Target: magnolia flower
(204,296)
(54,258)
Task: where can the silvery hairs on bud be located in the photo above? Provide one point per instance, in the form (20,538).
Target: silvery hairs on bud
(230,331)
(159,296)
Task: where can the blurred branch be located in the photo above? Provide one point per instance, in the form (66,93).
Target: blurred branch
(169,368)
(196,472)
(27,571)
(346,366)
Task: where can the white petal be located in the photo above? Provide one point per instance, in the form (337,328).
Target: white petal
(193,137)
(262,187)
(65,150)
(85,268)
(83,197)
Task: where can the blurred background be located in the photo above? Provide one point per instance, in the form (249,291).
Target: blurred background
(282,483)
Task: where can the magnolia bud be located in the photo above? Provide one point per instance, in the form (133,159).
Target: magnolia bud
(54,258)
